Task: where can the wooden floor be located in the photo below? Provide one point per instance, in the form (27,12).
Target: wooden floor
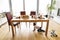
(28,34)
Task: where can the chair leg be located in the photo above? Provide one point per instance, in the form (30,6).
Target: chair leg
(18,25)
(15,29)
(9,28)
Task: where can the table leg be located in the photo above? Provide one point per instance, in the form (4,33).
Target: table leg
(41,24)
(26,24)
(46,32)
(29,24)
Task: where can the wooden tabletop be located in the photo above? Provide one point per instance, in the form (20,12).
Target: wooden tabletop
(30,20)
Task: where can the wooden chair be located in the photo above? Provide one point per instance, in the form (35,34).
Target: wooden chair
(33,14)
(9,17)
(23,15)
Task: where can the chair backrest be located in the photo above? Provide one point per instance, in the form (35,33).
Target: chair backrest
(32,13)
(9,17)
(22,13)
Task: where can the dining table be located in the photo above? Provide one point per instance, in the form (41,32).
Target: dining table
(30,20)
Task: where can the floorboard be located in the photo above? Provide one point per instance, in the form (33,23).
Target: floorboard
(26,33)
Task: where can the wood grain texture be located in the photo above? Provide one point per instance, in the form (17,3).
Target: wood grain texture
(28,34)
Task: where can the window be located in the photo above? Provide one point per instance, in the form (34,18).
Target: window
(17,6)
(30,5)
(43,6)
(4,6)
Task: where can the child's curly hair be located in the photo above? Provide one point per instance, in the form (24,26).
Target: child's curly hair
(34,24)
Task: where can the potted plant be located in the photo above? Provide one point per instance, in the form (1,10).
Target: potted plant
(51,7)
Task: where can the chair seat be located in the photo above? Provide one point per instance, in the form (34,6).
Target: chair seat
(16,23)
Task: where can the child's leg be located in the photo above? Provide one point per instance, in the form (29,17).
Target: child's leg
(34,24)
(34,29)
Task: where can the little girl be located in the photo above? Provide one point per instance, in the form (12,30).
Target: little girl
(37,27)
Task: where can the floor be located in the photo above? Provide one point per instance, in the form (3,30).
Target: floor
(3,20)
(57,19)
(26,33)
